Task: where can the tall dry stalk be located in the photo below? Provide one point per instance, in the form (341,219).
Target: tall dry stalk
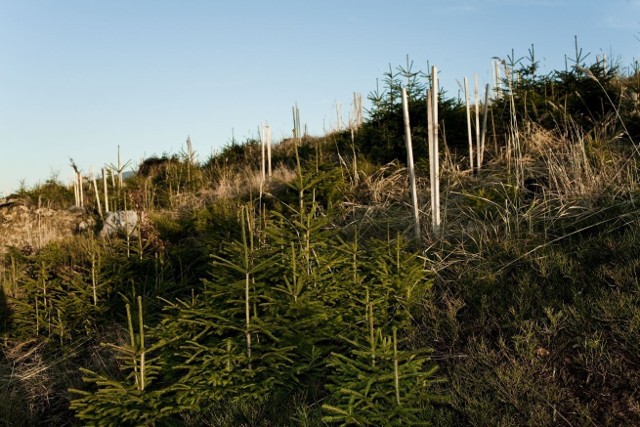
(514,146)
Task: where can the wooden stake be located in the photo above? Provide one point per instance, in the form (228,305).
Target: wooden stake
(485,113)
(436,150)
(298,123)
(268,141)
(119,169)
(189,158)
(412,175)
(477,122)
(432,166)
(80,190)
(106,192)
(95,188)
(76,193)
(190,153)
(496,78)
(466,100)
(263,160)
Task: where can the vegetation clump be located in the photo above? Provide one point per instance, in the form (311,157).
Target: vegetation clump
(304,298)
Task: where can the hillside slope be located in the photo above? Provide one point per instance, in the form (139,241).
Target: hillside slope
(303,298)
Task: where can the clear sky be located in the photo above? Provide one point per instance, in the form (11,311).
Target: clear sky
(80,77)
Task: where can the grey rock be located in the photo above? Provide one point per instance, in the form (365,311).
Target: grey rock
(119,221)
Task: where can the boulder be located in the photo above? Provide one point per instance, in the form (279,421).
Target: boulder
(24,226)
(119,221)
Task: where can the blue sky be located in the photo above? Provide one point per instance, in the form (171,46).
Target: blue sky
(80,77)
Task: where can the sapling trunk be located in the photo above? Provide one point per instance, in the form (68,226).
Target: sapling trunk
(247,281)
(37,317)
(61,327)
(94,278)
(140,246)
(126,229)
(132,340)
(294,290)
(113,178)
(355,158)
(44,288)
(142,347)
(396,373)
(372,330)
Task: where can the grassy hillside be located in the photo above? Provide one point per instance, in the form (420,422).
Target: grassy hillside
(304,298)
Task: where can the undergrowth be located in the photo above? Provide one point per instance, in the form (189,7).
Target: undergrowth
(302,299)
